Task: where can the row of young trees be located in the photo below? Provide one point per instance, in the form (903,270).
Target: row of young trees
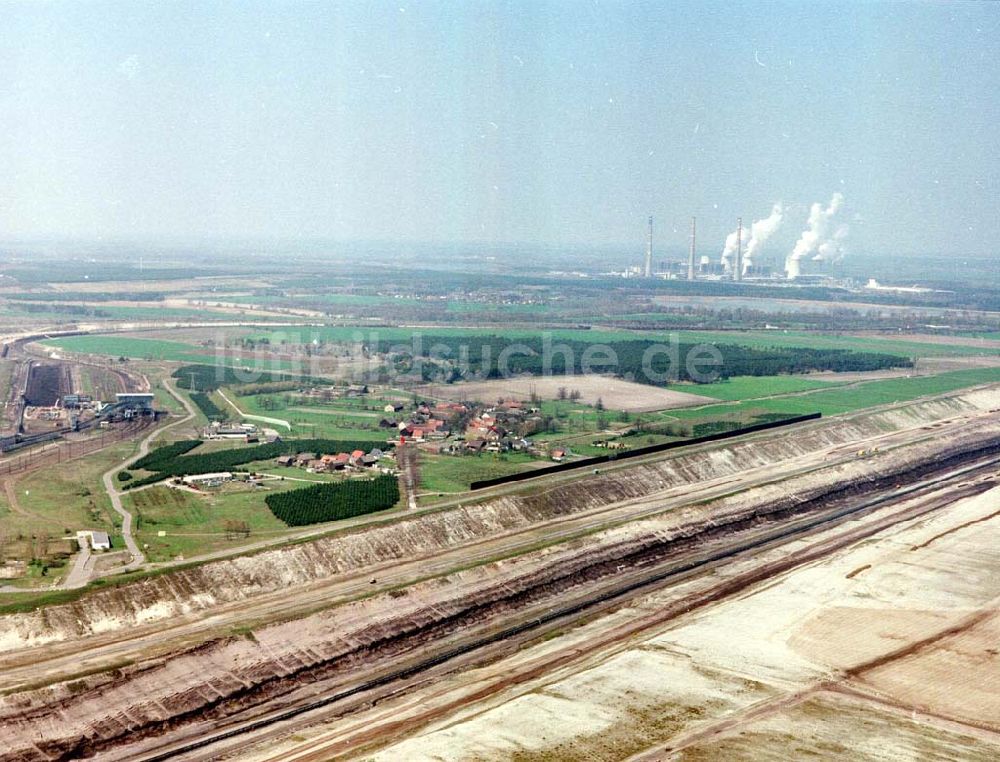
(212,411)
(334,501)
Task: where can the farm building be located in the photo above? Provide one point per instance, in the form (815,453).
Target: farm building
(96,539)
(208,480)
(229,431)
(372,458)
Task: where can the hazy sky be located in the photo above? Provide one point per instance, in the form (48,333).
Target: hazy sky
(559,122)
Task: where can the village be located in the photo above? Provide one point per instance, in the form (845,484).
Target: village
(472,428)
(434,427)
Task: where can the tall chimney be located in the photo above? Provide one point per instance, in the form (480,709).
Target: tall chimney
(691,253)
(649,251)
(738,268)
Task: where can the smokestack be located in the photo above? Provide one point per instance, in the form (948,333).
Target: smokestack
(649,251)
(691,253)
(738,266)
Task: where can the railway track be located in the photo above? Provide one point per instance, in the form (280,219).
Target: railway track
(632,584)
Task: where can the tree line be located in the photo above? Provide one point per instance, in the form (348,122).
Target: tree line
(457,357)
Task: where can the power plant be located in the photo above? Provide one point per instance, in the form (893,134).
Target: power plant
(744,253)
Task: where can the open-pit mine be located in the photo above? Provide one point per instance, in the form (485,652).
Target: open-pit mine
(826,589)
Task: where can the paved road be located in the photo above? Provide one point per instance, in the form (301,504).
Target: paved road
(83,566)
(138,558)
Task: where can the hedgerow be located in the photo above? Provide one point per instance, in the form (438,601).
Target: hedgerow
(334,501)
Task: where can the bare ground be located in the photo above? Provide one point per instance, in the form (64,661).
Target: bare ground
(298,656)
(615,393)
(898,662)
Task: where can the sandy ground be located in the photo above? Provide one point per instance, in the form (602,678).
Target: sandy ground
(884,651)
(615,393)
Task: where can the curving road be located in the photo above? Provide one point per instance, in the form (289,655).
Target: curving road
(261,418)
(69,657)
(82,570)
(138,557)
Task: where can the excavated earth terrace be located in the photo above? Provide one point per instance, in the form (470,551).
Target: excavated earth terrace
(205,684)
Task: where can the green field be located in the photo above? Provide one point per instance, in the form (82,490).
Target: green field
(57,502)
(154,349)
(159,349)
(195,524)
(754,339)
(128,346)
(843,399)
(751,387)
(763,339)
(338,423)
(454,473)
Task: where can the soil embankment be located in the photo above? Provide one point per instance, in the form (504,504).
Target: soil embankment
(278,665)
(217,583)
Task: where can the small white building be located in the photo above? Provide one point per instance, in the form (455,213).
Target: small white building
(96,539)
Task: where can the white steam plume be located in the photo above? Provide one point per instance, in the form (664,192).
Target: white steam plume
(729,250)
(822,240)
(760,231)
(753,237)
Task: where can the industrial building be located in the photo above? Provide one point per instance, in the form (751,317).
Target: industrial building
(140,402)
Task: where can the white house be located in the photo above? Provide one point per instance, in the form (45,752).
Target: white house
(96,539)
